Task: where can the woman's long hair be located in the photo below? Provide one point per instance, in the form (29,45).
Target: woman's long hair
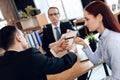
(99,7)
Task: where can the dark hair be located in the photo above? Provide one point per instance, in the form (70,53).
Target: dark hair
(7,36)
(53,8)
(99,7)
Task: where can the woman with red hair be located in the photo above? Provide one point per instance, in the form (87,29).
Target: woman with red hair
(98,17)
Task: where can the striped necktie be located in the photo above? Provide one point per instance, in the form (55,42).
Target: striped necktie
(58,35)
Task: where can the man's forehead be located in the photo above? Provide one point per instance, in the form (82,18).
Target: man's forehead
(53,10)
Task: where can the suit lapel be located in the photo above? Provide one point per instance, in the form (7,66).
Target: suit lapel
(63,27)
(51,33)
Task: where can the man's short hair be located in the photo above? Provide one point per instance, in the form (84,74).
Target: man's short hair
(7,35)
(53,8)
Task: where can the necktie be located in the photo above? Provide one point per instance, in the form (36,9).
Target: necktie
(58,35)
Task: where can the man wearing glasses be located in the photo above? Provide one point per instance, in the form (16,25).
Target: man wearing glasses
(49,32)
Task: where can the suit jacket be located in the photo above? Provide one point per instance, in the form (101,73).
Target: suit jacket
(32,65)
(48,36)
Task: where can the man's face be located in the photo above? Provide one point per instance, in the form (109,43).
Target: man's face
(53,15)
(24,43)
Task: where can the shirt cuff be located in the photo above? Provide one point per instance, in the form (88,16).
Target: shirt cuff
(54,54)
(72,51)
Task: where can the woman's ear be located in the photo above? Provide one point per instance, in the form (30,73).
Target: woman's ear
(100,17)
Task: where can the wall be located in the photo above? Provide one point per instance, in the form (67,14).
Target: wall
(6,11)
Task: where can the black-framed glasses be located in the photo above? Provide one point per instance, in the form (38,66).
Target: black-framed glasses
(54,14)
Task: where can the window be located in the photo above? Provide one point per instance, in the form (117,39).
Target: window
(1,16)
(114,5)
(2,21)
(69,9)
(73,8)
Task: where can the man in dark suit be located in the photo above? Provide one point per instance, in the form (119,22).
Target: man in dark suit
(22,63)
(49,32)
(49,35)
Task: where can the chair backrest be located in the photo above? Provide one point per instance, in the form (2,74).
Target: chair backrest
(117,16)
(79,21)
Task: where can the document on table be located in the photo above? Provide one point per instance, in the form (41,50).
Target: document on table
(69,36)
(81,53)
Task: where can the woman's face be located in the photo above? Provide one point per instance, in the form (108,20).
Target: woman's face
(92,22)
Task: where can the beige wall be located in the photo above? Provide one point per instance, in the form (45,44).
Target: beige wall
(6,11)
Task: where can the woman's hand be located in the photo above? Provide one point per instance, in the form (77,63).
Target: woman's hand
(80,41)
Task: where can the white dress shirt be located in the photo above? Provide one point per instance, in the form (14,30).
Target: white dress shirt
(54,30)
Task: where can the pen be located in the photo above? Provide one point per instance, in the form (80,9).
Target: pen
(69,38)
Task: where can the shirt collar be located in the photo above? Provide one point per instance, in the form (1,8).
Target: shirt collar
(105,34)
(58,25)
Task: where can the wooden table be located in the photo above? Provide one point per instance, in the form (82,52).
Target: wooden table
(78,69)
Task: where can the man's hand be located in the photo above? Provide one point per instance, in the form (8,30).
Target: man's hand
(61,45)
